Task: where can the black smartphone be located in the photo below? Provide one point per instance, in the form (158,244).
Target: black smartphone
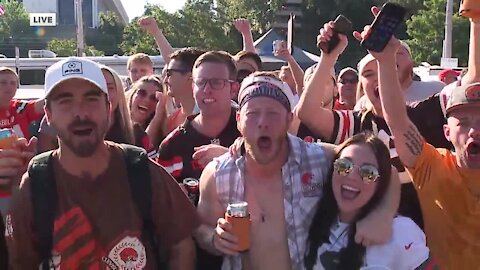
(383,27)
(342,25)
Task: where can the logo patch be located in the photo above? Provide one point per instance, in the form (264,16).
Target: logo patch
(128,254)
(8,226)
(72,67)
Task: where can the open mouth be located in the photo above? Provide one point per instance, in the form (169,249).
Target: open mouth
(142,109)
(473,149)
(348,192)
(264,143)
(82,131)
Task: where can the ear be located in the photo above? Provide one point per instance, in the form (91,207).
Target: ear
(237,117)
(446,132)
(48,114)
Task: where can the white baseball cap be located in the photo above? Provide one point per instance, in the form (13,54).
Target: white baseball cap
(74,67)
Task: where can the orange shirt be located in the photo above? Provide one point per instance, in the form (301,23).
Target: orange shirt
(450,201)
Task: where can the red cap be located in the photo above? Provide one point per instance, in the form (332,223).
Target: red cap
(444,73)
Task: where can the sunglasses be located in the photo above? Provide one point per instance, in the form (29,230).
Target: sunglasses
(169,72)
(143,94)
(368,173)
(216,84)
(350,81)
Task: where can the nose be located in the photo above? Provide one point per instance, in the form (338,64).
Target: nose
(263,121)
(81,110)
(475,130)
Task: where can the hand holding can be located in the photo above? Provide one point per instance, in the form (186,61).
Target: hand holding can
(191,185)
(237,214)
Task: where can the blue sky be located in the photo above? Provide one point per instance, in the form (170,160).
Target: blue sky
(135,7)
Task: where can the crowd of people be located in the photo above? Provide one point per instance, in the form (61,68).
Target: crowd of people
(364,168)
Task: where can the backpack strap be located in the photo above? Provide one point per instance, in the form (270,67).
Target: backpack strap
(139,181)
(44,203)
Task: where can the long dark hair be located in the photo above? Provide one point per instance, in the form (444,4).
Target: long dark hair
(327,211)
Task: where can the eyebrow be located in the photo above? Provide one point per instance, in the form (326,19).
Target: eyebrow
(93,92)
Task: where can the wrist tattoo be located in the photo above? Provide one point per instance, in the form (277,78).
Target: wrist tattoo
(414,140)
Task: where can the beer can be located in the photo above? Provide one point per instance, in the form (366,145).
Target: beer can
(238,209)
(192,187)
(237,214)
(7,138)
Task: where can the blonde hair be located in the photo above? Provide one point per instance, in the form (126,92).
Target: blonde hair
(121,114)
(139,58)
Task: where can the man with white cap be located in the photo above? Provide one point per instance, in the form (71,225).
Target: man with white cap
(277,174)
(92,216)
(414,91)
(347,87)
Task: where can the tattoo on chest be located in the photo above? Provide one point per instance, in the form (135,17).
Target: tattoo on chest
(413,140)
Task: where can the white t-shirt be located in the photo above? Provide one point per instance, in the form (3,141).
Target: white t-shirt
(406,249)
(417,91)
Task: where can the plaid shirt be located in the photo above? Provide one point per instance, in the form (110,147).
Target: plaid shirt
(303,176)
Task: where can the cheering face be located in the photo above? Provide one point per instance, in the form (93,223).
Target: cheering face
(212,88)
(144,102)
(79,112)
(8,88)
(369,81)
(264,122)
(354,179)
(463,130)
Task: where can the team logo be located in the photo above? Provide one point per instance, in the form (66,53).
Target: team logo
(129,254)
(72,67)
(473,93)
(309,139)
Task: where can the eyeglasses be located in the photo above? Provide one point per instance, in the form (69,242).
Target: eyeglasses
(368,173)
(143,94)
(169,71)
(216,84)
(350,81)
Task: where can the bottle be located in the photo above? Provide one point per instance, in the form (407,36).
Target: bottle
(237,214)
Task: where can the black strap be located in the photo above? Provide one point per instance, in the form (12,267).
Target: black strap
(140,186)
(44,203)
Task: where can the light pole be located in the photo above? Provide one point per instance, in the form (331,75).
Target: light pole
(79,22)
(447,42)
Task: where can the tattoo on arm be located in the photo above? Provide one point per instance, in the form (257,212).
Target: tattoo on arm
(414,140)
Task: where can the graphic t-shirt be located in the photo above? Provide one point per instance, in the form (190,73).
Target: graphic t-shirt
(405,250)
(176,150)
(97,224)
(19,116)
(450,199)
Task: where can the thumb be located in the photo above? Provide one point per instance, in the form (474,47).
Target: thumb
(375,10)
(32,144)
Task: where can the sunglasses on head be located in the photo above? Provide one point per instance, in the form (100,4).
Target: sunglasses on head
(350,81)
(344,166)
(143,94)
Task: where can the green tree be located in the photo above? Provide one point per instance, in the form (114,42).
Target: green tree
(426,31)
(68,47)
(108,36)
(15,30)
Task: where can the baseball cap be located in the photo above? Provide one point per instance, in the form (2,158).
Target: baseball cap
(364,61)
(464,95)
(74,67)
(445,72)
(264,86)
(345,70)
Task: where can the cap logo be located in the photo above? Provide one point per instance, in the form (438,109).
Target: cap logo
(473,93)
(72,67)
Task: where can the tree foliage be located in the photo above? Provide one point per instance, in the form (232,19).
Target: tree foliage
(68,47)
(426,31)
(108,36)
(15,30)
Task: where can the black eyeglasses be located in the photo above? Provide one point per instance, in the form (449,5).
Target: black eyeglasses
(143,94)
(216,84)
(169,71)
(368,173)
(350,81)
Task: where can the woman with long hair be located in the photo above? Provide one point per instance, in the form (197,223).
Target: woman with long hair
(359,179)
(121,128)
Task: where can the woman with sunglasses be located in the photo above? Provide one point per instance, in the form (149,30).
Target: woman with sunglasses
(359,179)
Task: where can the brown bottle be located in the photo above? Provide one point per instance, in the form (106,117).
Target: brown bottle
(237,215)
(7,138)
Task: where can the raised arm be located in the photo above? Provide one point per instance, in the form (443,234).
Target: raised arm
(243,26)
(408,140)
(297,71)
(309,108)
(150,25)
(473,72)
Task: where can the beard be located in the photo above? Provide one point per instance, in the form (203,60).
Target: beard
(83,137)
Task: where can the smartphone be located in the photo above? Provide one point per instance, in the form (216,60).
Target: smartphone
(383,27)
(342,25)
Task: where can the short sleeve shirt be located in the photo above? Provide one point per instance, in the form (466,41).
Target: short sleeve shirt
(19,116)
